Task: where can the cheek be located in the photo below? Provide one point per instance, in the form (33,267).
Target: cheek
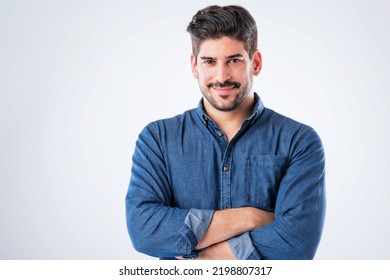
(205,75)
(242,73)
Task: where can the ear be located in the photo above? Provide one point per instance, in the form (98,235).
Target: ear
(193,66)
(257,63)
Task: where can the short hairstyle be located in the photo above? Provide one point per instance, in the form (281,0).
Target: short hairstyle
(215,22)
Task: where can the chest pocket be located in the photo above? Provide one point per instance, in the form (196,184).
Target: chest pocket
(262,179)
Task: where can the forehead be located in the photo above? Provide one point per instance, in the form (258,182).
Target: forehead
(223,47)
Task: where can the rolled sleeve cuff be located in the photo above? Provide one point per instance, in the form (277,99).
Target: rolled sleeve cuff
(198,221)
(242,247)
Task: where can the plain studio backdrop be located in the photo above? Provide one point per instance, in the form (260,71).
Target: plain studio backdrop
(80,79)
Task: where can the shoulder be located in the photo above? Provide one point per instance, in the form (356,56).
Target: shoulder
(275,118)
(284,123)
(169,125)
(174,120)
(295,135)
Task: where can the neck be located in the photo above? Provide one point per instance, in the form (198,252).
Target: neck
(231,121)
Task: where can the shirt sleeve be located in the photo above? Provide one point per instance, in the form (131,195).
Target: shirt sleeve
(198,221)
(156,228)
(242,247)
(300,205)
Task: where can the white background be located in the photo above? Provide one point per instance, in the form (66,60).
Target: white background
(80,79)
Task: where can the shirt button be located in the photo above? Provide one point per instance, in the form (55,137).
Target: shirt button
(225,168)
(220,133)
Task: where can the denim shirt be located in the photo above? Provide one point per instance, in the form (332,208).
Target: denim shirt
(184,169)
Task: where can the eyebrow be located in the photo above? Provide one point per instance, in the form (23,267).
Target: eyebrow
(206,57)
(227,57)
(235,56)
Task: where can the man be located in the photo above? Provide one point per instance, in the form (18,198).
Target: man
(230,179)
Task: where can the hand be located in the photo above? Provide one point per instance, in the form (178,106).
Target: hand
(218,251)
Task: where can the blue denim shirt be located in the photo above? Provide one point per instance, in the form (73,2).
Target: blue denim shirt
(184,168)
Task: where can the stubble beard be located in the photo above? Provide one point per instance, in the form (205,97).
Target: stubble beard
(237,101)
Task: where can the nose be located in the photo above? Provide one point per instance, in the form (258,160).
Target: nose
(223,73)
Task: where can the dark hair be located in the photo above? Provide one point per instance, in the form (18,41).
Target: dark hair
(214,22)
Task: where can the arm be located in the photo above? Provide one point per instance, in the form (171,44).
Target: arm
(222,240)
(154,227)
(300,205)
(222,237)
(299,213)
(232,222)
(218,251)
(159,230)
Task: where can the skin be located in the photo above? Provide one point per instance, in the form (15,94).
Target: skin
(226,61)
(227,224)
(225,73)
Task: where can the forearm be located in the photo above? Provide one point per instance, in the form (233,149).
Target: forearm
(291,236)
(218,251)
(155,227)
(228,223)
(159,231)
(299,208)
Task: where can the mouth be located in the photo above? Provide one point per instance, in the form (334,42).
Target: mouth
(224,89)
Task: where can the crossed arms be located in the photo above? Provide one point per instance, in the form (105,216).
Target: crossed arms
(227,224)
(293,231)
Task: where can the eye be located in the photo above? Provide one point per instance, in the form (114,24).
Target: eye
(234,60)
(208,62)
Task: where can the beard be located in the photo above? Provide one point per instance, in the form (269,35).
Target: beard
(240,96)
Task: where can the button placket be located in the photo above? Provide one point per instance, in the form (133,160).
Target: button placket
(226,179)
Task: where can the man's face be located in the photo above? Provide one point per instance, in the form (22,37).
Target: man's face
(225,72)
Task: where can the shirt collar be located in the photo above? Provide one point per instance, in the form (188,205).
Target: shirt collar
(256,112)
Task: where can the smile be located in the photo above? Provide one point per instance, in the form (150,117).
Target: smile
(228,85)
(224,90)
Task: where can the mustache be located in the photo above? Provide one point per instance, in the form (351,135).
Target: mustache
(224,84)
